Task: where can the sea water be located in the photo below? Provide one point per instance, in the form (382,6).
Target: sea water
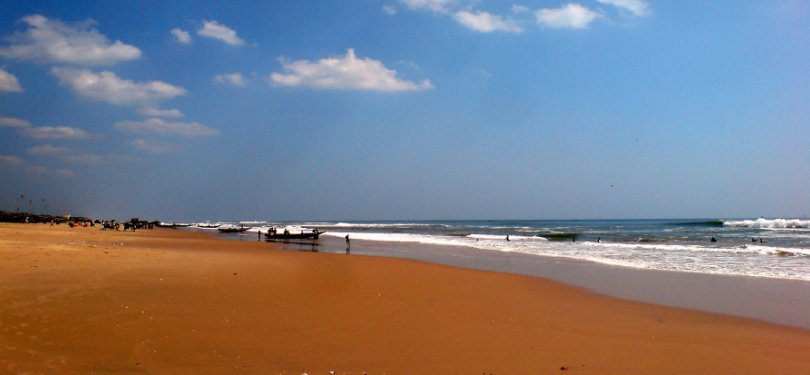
(767,248)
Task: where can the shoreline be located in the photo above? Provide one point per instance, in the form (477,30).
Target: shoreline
(86,301)
(776,301)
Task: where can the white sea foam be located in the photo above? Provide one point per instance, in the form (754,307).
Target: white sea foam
(740,249)
(784,254)
(382,225)
(253,223)
(494,237)
(403,237)
(770,223)
(741,260)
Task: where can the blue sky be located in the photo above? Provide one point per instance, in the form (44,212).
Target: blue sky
(406,109)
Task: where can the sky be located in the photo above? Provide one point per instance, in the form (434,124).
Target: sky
(405,109)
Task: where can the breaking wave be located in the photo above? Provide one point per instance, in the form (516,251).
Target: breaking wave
(770,223)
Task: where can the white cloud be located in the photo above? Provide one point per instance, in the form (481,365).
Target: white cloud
(344,73)
(636,7)
(9,82)
(485,22)
(440,6)
(389,10)
(151,111)
(215,30)
(55,132)
(106,86)
(65,154)
(159,126)
(20,164)
(43,132)
(181,35)
(476,20)
(149,147)
(570,16)
(52,41)
(12,122)
(11,160)
(234,79)
(83,158)
(48,150)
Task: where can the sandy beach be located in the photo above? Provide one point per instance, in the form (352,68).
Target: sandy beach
(162,301)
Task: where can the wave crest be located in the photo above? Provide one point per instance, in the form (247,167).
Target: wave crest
(770,223)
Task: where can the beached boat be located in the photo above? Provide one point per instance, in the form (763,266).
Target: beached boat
(172,225)
(232,229)
(286,235)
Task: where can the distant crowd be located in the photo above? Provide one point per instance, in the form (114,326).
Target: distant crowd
(76,221)
(133,224)
(111,224)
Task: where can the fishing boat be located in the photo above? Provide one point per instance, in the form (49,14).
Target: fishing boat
(274,235)
(232,228)
(172,225)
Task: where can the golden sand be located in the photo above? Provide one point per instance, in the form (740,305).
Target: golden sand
(85,300)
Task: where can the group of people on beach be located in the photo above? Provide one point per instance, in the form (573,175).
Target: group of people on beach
(78,224)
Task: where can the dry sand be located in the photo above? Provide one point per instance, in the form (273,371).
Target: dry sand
(85,300)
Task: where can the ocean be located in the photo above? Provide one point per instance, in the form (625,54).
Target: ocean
(762,248)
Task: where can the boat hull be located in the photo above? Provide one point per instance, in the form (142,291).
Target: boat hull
(232,230)
(292,236)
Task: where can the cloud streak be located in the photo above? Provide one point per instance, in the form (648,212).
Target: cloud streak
(16,163)
(181,35)
(12,122)
(569,16)
(108,87)
(158,112)
(9,82)
(52,41)
(10,160)
(215,30)
(486,22)
(638,8)
(149,147)
(233,79)
(65,154)
(440,6)
(344,73)
(48,150)
(43,132)
(163,127)
(55,132)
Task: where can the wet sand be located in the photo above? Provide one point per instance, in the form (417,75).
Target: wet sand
(90,301)
(772,300)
